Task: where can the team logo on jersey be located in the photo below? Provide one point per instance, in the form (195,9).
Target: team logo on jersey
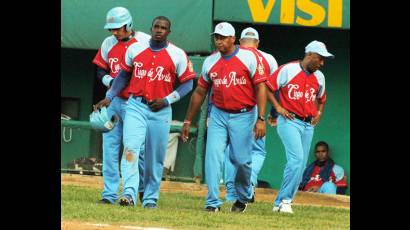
(213,75)
(261,71)
(160,75)
(227,81)
(295,94)
(138,71)
(191,68)
(114,66)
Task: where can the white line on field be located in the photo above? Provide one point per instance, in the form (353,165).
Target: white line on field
(129,227)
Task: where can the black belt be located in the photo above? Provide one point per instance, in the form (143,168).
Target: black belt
(143,99)
(307,119)
(246,109)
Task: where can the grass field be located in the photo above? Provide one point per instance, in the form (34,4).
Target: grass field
(185,211)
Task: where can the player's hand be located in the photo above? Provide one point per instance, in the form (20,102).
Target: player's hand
(286,114)
(260,129)
(185,132)
(104,102)
(272,121)
(156,104)
(315,120)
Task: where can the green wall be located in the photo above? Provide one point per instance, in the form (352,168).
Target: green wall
(77,78)
(82,21)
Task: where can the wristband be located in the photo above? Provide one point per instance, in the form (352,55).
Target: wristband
(107,80)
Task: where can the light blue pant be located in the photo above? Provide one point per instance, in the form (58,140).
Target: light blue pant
(238,129)
(328,188)
(111,152)
(296,136)
(142,124)
(258,157)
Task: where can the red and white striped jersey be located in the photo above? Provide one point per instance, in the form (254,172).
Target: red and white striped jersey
(298,90)
(154,72)
(112,52)
(232,80)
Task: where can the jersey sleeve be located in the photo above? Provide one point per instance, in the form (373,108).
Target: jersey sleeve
(257,69)
(99,60)
(204,80)
(126,63)
(321,94)
(273,64)
(184,68)
(277,79)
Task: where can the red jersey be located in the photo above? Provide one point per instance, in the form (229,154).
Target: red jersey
(232,80)
(315,179)
(112,52)
(154,72)
(297,89)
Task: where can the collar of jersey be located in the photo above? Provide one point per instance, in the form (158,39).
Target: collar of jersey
(305,71)
(129,37)
(163,45)
(227,57)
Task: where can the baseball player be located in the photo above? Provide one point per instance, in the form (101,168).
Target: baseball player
(152,70)
(236,78)
(301,86)
(250,40)
(108,59)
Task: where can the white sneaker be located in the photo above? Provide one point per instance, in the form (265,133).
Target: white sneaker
(284,206)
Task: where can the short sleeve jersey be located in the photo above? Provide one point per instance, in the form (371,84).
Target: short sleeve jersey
(154,72)
(232,80)
(112,52)
(297,89)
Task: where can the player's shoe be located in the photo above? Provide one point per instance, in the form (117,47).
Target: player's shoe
(126,201)
(253,198)
(284,206)
(104,201)
(150,206)
(212,209)
(238,206)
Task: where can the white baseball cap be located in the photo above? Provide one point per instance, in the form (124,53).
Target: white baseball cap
(319,48)
(250,33)
(224,29)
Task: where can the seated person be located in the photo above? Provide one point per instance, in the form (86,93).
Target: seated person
(323,175)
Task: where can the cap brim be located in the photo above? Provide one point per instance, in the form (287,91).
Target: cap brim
(221,34)
(113,26)
(327,55)
(250,38)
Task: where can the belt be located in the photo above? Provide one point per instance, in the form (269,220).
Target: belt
(143,99)
(246,109)
(307,119)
